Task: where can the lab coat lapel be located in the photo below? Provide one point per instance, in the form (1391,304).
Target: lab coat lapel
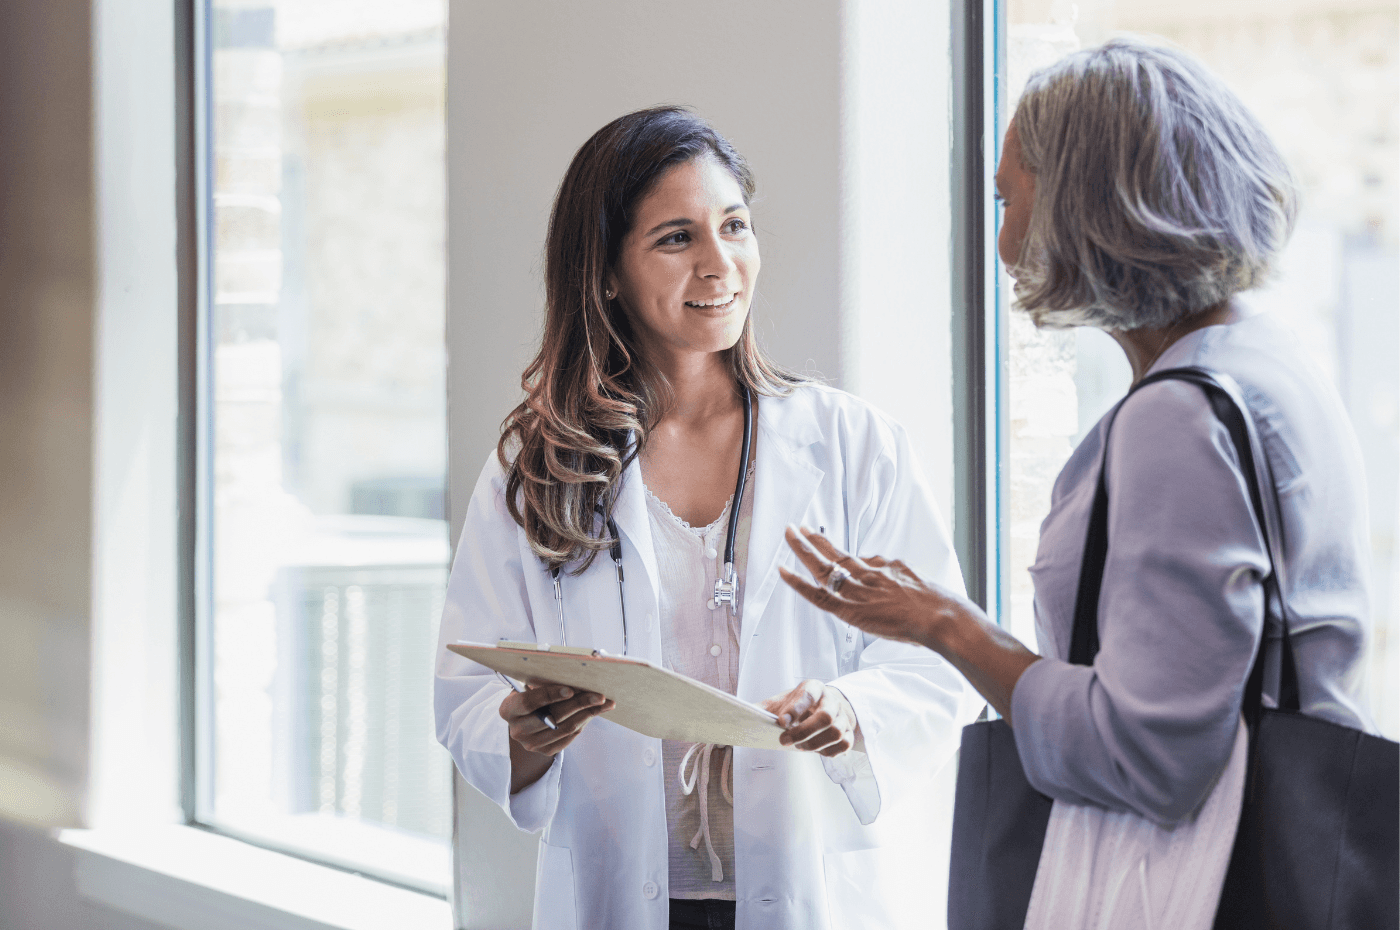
(786,479)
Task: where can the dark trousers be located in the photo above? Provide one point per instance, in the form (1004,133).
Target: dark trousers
(705,914)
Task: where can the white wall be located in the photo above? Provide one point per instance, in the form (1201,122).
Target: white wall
(529,82)
(896,225)
(841,109)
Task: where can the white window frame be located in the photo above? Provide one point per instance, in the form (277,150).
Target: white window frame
(979,344)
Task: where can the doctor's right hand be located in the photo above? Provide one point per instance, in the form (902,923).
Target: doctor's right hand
(569,709)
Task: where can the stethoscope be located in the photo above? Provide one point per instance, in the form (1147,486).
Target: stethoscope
(726,586)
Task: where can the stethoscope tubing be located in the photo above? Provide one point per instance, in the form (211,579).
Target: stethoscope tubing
(739,484)
(726,587)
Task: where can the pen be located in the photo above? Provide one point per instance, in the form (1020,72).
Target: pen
(541,712)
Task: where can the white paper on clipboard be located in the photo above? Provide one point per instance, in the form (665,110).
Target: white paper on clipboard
(651,700)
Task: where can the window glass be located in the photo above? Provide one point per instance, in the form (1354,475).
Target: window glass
(1322,77)
(327,448)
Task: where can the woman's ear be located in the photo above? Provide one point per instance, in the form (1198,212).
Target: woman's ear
(610,287)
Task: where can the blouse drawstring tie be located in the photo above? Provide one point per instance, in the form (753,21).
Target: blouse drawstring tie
(701,772)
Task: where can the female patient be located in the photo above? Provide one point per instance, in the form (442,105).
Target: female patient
(630,441)
(1141,197)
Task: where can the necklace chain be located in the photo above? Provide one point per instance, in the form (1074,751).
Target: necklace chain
(1162,347)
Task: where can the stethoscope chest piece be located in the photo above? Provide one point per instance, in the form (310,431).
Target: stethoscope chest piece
(727,589)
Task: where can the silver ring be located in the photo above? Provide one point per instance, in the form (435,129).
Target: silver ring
(837,578)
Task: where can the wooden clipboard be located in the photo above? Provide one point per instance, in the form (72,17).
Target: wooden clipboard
(651,700)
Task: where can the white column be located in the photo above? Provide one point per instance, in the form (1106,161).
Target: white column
(135,691)
(896,223)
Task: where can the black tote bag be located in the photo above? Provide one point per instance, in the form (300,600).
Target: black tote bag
(1318,845)
(999,824)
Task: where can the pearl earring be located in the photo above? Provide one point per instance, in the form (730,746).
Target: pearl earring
(608,295)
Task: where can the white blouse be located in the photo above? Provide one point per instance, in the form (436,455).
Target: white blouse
(702,642)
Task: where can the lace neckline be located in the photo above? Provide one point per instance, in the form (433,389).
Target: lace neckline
(699,531)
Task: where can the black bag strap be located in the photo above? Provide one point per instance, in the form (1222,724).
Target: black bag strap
(1228,404)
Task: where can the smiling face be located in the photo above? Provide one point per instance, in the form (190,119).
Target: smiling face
(686,271)
(1016,189)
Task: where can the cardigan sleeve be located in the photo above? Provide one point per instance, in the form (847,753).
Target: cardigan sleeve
(1149,726)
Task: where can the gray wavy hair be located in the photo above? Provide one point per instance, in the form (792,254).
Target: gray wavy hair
(1158,194)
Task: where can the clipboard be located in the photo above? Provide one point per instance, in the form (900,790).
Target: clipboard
(651,700)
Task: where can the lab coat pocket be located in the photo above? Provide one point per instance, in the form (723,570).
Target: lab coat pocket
(555,904)
(883,888)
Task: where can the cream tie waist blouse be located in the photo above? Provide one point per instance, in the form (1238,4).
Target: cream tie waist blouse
(704,753)
(702,642)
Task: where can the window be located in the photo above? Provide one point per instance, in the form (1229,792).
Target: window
(1320,75)
(325,425)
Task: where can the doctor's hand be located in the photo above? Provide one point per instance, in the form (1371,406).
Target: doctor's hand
(533,745)
(569,709)
(818,718)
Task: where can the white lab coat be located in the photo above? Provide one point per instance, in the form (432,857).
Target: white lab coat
(817,843)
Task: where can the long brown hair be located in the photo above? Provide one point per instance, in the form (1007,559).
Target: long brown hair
(566,446)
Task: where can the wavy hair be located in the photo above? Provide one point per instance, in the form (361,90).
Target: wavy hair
(565,447)
(1158,194)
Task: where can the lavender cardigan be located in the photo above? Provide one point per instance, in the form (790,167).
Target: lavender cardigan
(1148,728)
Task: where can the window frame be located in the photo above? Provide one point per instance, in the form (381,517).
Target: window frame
(979,325)
(194,168)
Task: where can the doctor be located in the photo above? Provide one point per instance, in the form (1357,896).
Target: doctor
(637,503)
